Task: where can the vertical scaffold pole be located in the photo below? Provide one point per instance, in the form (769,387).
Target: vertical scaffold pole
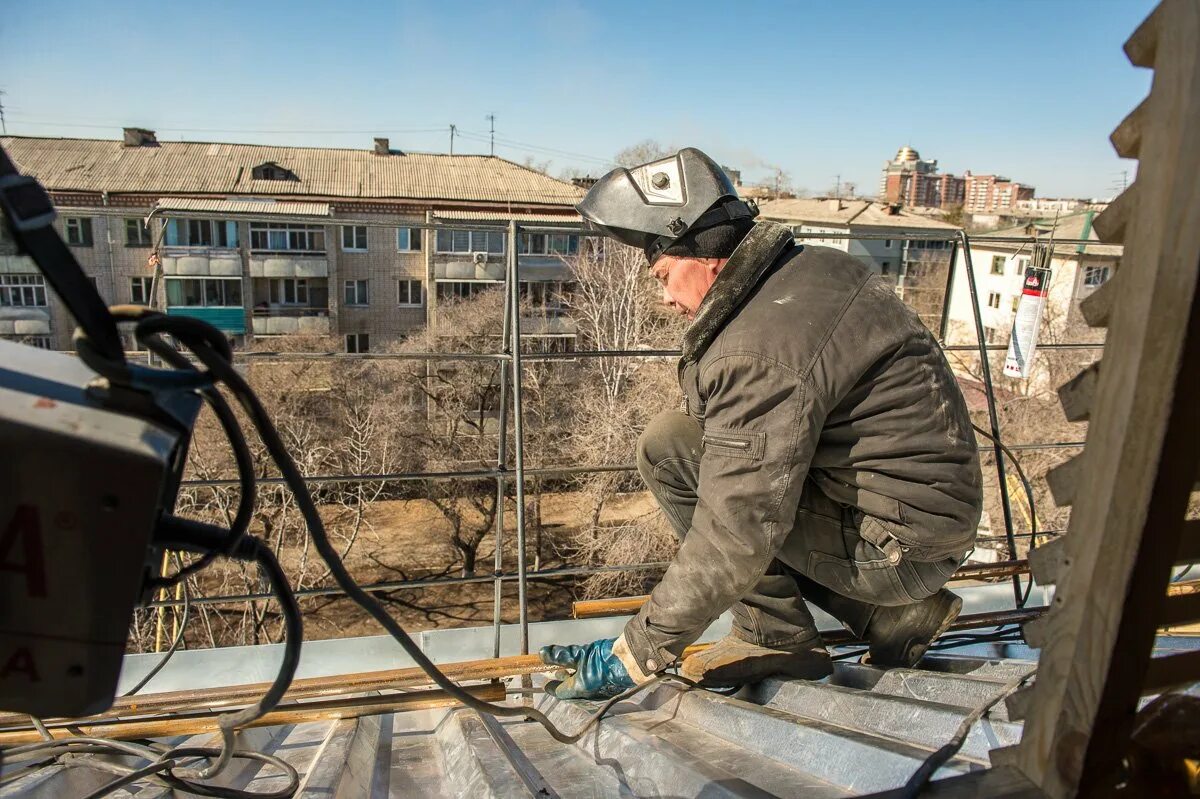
(514,298)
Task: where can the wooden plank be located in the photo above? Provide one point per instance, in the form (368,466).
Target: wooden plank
(1036,632)
(1142,46)
(1097,306)
(1048,561)
(1139,461)
(1127,137)
(1017,704)
(1064,478)
(1077,393)
(1189,543)
(1111,223)
(1171,670)
(196,723)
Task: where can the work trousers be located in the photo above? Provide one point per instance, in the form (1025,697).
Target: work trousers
(824,558)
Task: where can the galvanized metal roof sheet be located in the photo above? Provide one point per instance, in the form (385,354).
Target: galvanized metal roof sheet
(215,168)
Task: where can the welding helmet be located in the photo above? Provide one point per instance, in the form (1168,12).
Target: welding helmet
(652,205)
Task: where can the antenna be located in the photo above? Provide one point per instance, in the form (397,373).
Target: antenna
(453,129)
(491,134)
(837,191)
(3,124)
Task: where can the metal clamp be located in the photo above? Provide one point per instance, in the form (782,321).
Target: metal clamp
(26,203)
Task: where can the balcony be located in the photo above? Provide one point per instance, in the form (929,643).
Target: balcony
(283,264)
(283,321)
(201,261)
(24,321)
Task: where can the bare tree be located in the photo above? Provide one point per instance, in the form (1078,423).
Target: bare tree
(643,151)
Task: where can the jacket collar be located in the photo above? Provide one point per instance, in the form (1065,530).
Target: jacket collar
(757,252)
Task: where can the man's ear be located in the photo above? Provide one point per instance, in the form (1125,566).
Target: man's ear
(715,265)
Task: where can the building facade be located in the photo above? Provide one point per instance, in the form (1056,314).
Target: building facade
(891,250)
(1076,271)
(267,241)
(908,180)
(993,194)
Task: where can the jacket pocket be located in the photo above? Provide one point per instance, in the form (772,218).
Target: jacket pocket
(735,444)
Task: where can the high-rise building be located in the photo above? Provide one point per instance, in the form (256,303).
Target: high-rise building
(910,181)
(992,194)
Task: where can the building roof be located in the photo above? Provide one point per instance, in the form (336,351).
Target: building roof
(93,165)
(1074,226)
(504,216)
(258,207)
(866,213)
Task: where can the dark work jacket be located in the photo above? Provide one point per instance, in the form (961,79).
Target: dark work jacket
(801,364)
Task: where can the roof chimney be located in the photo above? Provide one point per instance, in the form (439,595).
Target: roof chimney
(892,209)
(140,137)
(381,147)
(834,203)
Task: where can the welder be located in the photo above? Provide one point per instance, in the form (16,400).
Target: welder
(821,452)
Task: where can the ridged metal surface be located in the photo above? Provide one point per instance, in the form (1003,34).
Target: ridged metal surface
(861,731)
(210,168)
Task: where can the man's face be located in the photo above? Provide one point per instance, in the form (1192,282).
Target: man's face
(686,280)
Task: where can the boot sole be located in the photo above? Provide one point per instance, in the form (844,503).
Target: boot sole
(947,623)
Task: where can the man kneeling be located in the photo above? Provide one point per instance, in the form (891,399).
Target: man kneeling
(822,450)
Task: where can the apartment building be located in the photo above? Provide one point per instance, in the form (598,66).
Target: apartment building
(266,241)
(893,258)
(1076,271)
(993,194)
(909,180)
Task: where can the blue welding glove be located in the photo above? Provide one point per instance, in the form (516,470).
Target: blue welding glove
(596,673)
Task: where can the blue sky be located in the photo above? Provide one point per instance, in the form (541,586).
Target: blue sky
(1029,89)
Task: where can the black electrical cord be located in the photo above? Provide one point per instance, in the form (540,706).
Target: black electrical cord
(198,337)
(1021,599)
(183,620)
(251,548)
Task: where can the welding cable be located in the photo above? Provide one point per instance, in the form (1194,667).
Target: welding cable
(924,773)
(133,776)
(222,369)
(162,662)
(228,723)
(1021,599)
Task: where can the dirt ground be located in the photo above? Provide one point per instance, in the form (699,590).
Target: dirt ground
(407,540)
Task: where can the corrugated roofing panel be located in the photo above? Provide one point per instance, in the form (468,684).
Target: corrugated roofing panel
(208,168)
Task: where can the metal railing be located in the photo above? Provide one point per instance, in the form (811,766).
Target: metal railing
(510,465)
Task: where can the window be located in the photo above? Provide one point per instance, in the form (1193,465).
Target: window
(548,244)
(408,239)
(491,241)
(994,299)
(408,292)
(1095,275)
(461,289)
(356,292)
(202,233)
(887,244)
(357,343)
(204,292)
(354,238)
(136,234)
(79,231)
(998,264)
(1023,264)
(24,291)
(139,290)
(288,291)
(281,237)
(885,268)
(272,171)
(1016,302)
(41,342)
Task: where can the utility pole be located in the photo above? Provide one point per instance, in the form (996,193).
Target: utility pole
(453,128)
(492,134)
(3,124)
(837,187)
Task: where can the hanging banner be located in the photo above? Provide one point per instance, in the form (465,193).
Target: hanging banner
(1027,322)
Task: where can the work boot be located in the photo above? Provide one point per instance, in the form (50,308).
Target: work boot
(899,636)
(732,661)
